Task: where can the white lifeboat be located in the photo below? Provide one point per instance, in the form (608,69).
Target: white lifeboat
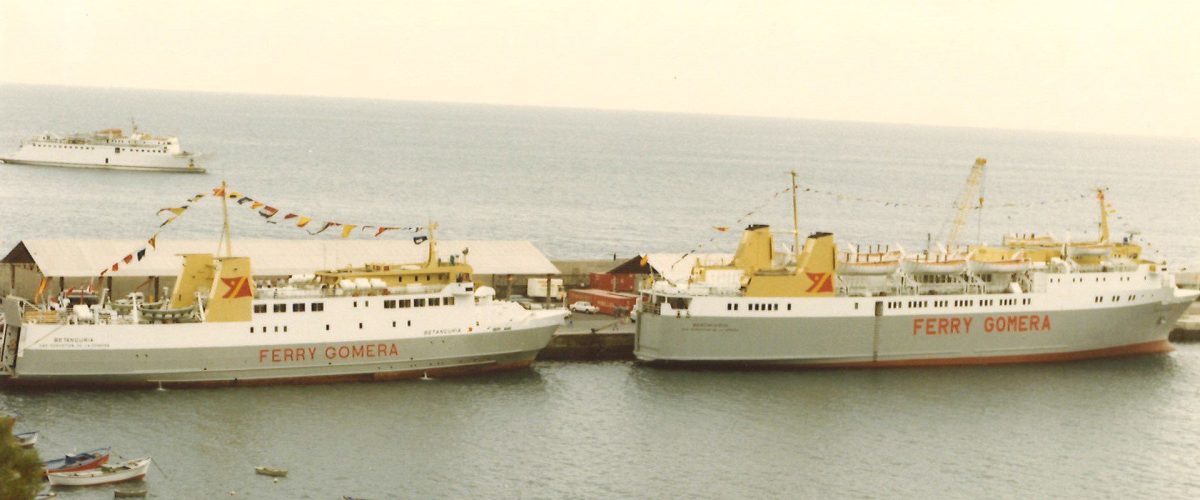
(937,263)
(1088,249)
(869,263)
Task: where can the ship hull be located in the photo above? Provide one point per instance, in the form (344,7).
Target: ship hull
(112,166)
(918,338)
(365,359)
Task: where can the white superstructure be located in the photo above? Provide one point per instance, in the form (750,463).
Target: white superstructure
(108,149)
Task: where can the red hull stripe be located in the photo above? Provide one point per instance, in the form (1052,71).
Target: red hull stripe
(315,379)
(1157,346)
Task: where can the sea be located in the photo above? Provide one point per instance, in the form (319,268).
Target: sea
(592,184)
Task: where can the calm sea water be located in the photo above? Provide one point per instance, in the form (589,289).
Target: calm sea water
(584,184)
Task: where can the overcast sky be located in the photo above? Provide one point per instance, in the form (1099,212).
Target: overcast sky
(1114,67)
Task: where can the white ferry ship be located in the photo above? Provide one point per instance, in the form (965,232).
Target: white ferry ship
(1032,300)
(106,149)
(377,322)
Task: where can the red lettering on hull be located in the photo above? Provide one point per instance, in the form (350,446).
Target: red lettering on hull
(992,324)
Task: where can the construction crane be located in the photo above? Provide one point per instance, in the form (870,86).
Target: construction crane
(966,202)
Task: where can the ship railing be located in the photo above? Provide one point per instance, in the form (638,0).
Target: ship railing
(34,314)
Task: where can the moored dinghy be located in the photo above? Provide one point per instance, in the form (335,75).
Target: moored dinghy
(125,471)
(27,439)
(78,461)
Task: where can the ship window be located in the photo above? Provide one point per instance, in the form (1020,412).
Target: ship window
(393,324)
(728,307)
(389,304)
(284,328)
(789,307)
(418,302)
(279,308)
(252,329)
(434,301)
(327,328)
(405,303)
(360,326)
(356,303)
(298,308)
(449,301)
(318,306)
(260,308)
(276,329)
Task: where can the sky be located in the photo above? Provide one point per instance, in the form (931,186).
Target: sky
(1130,68)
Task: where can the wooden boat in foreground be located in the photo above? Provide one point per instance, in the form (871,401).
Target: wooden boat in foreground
(125,471)
(78,461)
(27,439)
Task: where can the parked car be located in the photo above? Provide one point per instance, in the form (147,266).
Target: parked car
(584,306)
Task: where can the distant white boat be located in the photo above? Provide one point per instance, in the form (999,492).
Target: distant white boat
(124,471)
(106,149)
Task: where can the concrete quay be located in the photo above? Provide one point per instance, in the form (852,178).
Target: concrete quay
(591,337)
(1187,329)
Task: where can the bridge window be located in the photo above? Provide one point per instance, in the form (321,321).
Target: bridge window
(298,308)
(279,308)
(418,302)
(389,304)
(318,306)
(260,308)
(434,301)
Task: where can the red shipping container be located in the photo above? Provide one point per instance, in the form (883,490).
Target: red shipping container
(607,302)
(600,281)
(626,282)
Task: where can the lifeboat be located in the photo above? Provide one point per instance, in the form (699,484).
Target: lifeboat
(935,264)
(1005,266)
(1075,250)
(869,263)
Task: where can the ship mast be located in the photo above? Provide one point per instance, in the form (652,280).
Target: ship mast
(432,245)
(225,237)
(795,225)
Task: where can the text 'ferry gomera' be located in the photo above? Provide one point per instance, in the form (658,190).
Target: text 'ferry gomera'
(106,149)
(1029,300)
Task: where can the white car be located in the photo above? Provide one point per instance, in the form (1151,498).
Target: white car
(584,306)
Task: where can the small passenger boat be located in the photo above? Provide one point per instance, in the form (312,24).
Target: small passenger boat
(27,439)
(125,471)
(78,461)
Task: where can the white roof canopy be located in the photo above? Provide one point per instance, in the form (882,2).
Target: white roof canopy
(676,270)
(86,258)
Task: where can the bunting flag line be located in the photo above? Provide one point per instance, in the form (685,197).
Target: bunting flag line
(152,243)
(269,214)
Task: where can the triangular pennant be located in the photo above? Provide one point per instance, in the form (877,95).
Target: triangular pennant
(381,230)
(290,216)
(141,254)
(128,258)
(417,240)
(175,210)
(243,200)
(255,205)
(153,241)
(268,211)
(303,221)
(347,229)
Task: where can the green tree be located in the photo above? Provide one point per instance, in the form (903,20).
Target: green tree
(20,469)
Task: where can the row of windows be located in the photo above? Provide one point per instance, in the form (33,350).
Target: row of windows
(756,307)
(1115,298)
(957,303)
(277,328)
(296,307)
(405,303)
(89,148)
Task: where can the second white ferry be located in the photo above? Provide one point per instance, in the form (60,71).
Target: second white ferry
(106,149)
(1026,301)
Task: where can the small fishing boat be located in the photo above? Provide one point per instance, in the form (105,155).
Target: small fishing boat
(27,439)
(125,471)
(78,461)
(271,471)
